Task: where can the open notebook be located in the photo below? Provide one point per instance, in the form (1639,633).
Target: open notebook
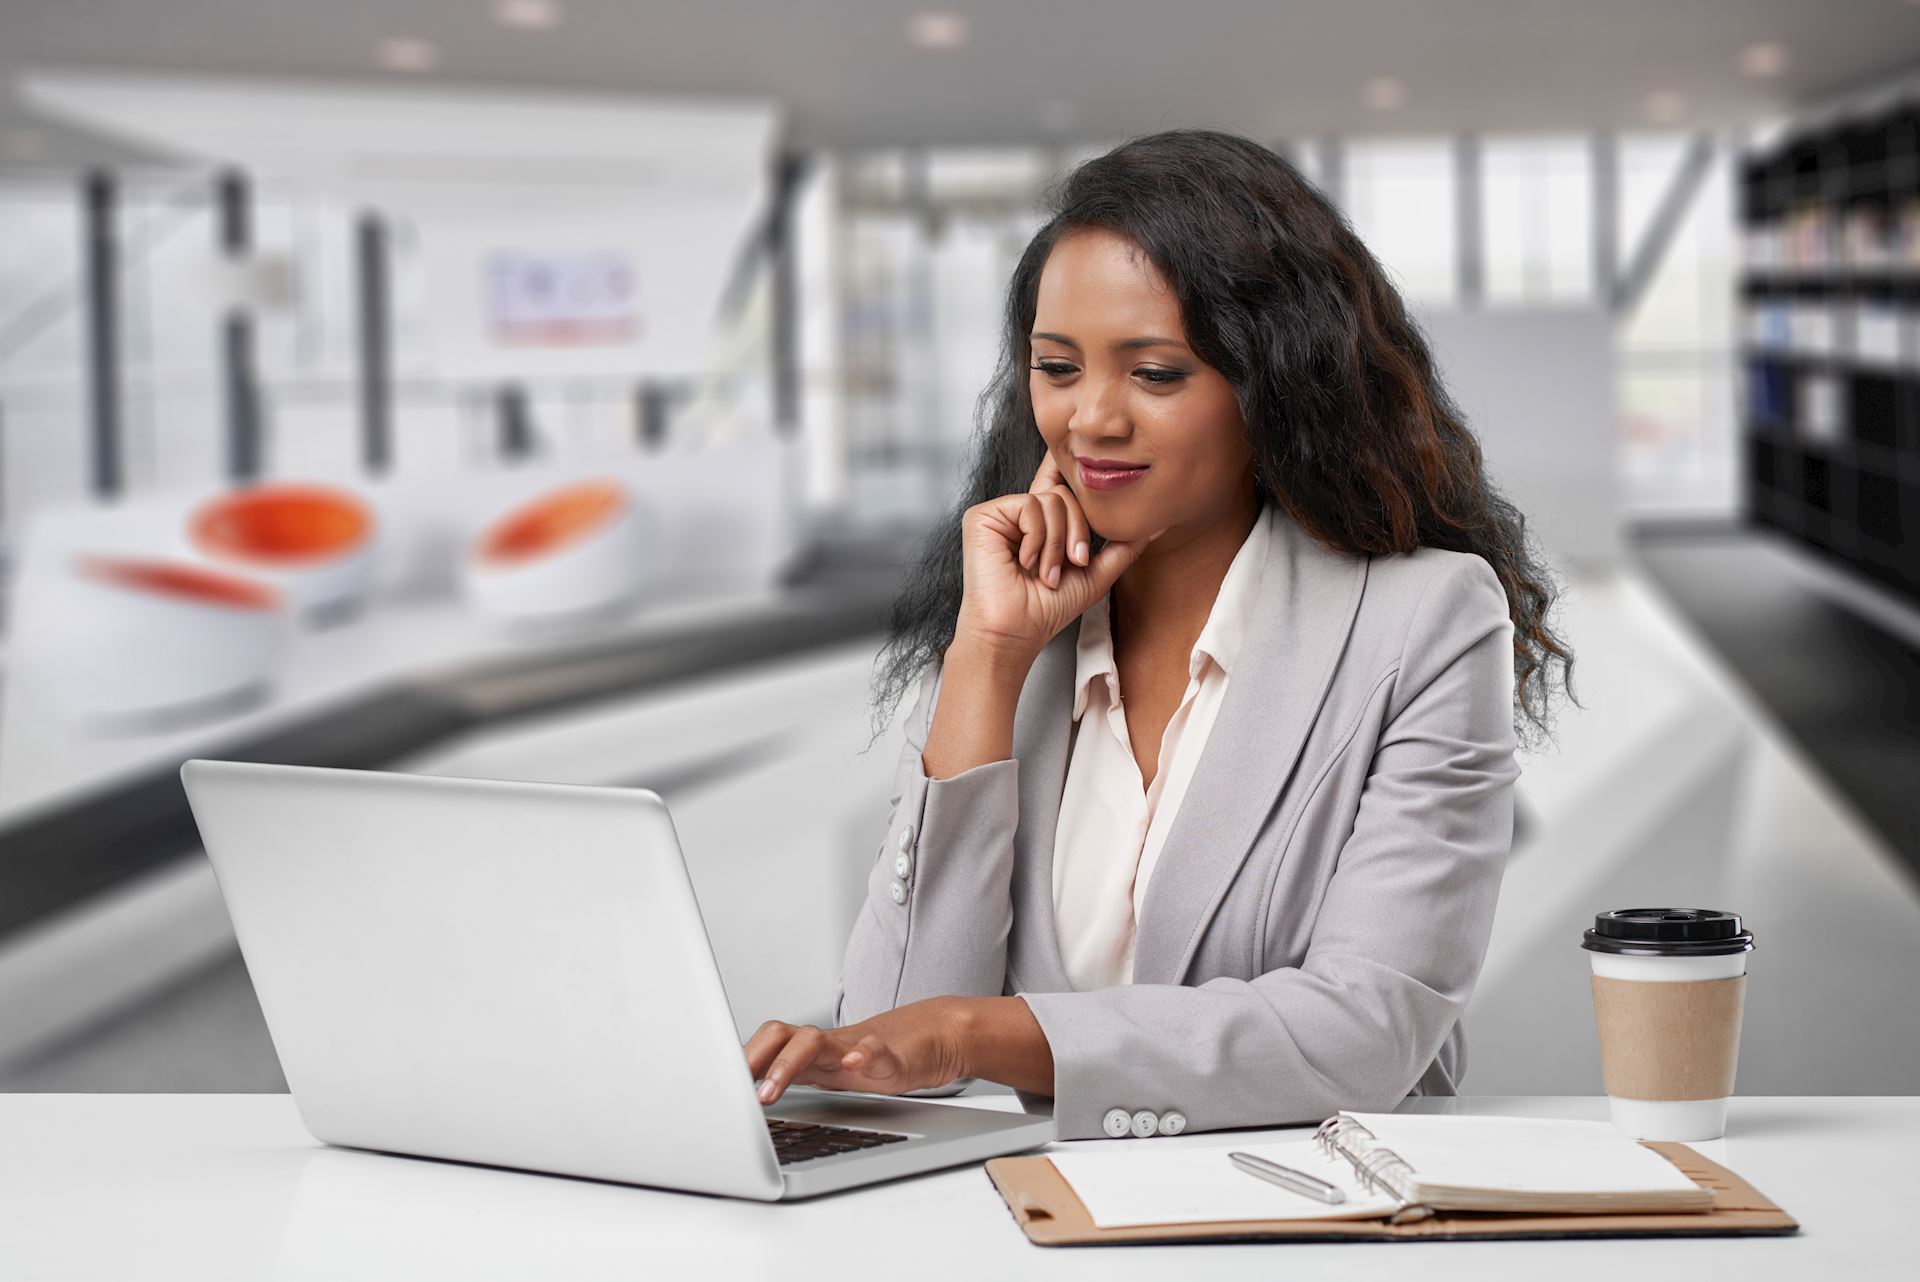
(1391,1166)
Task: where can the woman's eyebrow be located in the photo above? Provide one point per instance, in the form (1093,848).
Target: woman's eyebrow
(1122,345)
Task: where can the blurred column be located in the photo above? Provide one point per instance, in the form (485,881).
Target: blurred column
(651,404)
(516,421)
(1606,214)
(789,168)
(376,343)
(1469,238)
(233,200)
(99,255)
(923,402)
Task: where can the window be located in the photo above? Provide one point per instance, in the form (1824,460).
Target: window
(1400,199)
(1537,218)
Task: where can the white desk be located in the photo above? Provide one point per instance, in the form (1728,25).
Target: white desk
(215,1187)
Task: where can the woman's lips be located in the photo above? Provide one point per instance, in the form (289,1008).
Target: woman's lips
(1109,478)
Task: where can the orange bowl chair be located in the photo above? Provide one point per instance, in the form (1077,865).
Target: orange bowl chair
(551,521)
(315,541)
(282,524)
(573,552)
(140,635)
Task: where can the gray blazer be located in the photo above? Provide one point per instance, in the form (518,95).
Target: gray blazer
(1322,903)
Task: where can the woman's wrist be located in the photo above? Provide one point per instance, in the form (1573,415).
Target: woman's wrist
(994,662)
(999,1039)
(973,721)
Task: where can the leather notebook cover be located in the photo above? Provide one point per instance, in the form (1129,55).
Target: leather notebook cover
(1044,1206)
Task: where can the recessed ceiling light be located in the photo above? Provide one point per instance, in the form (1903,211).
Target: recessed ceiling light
(1384,93)
(938,29)
(405,53)
(528,15)
(1763,59)
(1666,106)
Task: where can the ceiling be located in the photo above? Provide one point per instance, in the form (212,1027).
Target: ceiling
(1043,70)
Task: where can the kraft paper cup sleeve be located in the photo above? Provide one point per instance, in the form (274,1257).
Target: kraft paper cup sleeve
(1668,1040)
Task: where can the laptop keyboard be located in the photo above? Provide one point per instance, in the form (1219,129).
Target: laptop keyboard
(805,1141)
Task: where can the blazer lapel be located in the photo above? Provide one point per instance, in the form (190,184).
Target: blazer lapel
(1040,728)
(1303,611)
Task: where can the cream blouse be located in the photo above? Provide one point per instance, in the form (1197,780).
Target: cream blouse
(1111,828)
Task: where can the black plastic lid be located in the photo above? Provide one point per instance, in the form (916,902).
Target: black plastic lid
(1668,932)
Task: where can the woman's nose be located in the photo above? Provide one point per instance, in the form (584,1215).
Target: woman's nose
(1098,410)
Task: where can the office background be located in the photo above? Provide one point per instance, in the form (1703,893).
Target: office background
(620,352)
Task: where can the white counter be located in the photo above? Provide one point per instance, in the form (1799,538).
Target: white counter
(230,1186)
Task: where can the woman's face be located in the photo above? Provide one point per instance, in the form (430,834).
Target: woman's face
(1113,379)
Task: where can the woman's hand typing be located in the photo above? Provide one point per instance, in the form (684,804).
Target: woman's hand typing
(913,1047)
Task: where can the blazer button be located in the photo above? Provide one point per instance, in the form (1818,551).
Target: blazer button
(898,890)
(906,838)
(902,864)
(1144,1123)
(1117,1122)
(1172,1123)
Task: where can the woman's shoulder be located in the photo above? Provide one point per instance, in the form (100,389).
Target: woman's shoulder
(1430,577)
(1430,593)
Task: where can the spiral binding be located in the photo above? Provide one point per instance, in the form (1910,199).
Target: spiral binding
(1379,1168)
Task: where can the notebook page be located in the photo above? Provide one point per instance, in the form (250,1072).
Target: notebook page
(1126,1186)
(1522,1154)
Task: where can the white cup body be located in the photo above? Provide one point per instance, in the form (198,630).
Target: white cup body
(1688,1119)
(1678,970)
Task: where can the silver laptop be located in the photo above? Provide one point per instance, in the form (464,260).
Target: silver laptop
(517,974)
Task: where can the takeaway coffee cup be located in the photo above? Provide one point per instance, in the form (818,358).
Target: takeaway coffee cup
(1668,988)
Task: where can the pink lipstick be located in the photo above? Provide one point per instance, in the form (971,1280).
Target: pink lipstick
(1109,474)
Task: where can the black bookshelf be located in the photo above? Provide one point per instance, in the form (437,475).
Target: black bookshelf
(1829,310)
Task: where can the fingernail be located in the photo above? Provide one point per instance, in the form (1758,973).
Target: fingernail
(766,1091)
(1053,576)
(1080,553)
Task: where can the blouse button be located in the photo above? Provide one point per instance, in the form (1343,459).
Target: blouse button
(1117,1122)
(902,864)
(1145,1122)
(898,890)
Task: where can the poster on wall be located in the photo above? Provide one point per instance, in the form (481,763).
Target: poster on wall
(576,299)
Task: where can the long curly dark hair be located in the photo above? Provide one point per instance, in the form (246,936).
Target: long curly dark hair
(1351,429)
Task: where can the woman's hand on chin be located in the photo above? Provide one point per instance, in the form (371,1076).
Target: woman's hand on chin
(1025,569)
(909,1048)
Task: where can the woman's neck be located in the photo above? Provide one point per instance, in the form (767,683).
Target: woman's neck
(1166,596)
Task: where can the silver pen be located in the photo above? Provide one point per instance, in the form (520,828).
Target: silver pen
(1288,1178)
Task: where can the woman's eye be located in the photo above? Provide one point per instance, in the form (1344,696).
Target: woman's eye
(1158,377)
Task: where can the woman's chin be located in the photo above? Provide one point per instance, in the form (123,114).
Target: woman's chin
(1118,519)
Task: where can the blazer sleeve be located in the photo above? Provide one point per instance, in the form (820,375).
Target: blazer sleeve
(1400,934)
(935,923)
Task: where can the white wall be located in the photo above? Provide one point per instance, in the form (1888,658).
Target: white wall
(1537,386)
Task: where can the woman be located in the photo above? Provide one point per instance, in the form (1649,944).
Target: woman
(1226,852)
